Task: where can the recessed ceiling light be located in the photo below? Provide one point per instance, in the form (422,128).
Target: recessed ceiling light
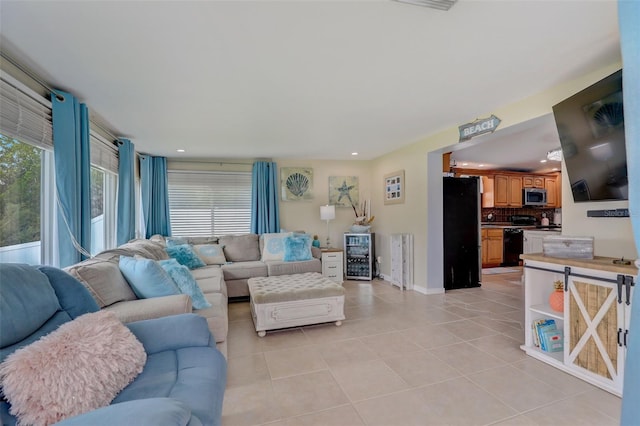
(465,164)
(543,161)
(180,150)
(480,165)
(354,153)
(555,169)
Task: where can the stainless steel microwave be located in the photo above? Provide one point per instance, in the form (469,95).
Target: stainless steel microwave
(534,197)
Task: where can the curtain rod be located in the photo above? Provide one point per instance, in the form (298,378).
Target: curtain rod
(46,86)
(30,74)
(186,160)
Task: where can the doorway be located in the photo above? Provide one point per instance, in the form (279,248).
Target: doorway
(535,129)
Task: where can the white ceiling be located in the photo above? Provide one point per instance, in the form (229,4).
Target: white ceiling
(519,148)
(302,79)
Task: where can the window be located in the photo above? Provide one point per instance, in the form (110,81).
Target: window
(20,193)
(97,210)
(28,219)
(209,203)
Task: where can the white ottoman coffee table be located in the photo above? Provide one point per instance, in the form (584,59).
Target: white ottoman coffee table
(294,300)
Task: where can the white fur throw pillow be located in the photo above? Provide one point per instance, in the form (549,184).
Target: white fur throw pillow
(79,367)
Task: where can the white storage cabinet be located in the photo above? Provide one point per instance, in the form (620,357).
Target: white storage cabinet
(332,265)
(595,321)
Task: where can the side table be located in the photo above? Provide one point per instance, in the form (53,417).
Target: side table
(332,264)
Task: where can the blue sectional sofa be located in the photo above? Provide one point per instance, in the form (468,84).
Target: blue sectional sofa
(184,376)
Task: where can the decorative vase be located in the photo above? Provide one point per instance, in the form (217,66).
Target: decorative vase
(315,242)
(360,229)
(556,299)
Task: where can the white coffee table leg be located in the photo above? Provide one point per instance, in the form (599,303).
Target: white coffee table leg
(262,333)
(338,323)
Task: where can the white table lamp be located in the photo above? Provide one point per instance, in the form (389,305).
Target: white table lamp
(327,213)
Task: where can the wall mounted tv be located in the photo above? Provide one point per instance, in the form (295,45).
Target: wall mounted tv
(591,129)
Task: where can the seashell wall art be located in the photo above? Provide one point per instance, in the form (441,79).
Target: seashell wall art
(296,183)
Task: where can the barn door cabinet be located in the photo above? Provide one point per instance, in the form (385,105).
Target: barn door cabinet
(595,321)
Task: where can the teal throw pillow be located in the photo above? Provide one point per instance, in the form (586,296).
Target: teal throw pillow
(181,275)
(185,255)
(146,278)
(297,247)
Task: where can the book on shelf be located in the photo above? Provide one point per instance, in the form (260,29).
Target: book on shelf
(540,326)
(553,340)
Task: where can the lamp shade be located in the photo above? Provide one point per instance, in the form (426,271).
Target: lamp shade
(327,212)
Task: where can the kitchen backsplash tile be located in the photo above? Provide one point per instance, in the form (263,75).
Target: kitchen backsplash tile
(504,215)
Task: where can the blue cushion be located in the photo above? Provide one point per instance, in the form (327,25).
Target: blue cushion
(297,247)
(182,277)
(185,255)
(27,302)
(73,296)
(146,412)
(147,278)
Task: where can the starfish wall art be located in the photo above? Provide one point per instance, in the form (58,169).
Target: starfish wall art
(344,191)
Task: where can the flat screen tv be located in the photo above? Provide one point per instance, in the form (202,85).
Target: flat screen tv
(591,129)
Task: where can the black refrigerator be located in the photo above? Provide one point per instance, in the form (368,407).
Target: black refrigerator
(461,232)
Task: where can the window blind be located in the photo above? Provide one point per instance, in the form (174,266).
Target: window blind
(209,203)
(104,154)
(23,115)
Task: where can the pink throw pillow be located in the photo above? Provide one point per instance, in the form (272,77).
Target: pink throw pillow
(79,367)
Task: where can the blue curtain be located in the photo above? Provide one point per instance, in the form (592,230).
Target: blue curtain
(265,213)
(126,226)
(73,174)
(155,195)
(629,19)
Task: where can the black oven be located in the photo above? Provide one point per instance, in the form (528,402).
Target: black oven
(512,246)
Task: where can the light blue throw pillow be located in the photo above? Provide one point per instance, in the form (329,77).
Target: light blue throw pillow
(146,278)
(297,247)
(185,255)
(181,275)
(273,246)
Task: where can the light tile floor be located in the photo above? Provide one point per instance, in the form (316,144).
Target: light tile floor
(403,358)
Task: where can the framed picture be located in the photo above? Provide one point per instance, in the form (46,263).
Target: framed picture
(344,191)
(296,183)
(394,187)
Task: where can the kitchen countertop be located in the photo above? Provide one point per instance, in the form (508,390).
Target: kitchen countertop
(524,227)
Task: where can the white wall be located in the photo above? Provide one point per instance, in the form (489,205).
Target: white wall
(305,215)
(613,236)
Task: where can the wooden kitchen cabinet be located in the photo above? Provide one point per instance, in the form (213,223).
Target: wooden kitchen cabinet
(532,182)
(488,191)
(484,245)
(552,185)
(507,191)
(491,247)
